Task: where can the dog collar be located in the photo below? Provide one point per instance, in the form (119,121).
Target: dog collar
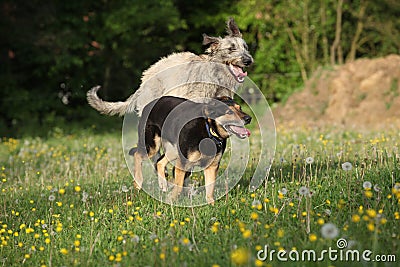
(213,135)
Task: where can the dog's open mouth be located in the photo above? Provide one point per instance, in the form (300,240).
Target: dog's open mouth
(237,72)
(239,131)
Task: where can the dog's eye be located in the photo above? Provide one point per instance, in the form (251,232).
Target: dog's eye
(232,47)
(229,112)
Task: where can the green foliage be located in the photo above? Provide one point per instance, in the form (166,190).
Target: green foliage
(53,52)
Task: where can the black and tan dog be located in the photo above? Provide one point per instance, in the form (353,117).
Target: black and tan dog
(191,134)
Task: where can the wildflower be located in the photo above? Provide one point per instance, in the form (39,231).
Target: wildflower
(371,213)
(283,191)
(175,249)
(254,216)
(329,231)
(371,227)
(124,189)
(320,221)
(303,191)
(347,166)
(84,196)
(256,204)
(185,241)
(52,198)
(64,251)
(61,191)
(162,256)
(240,256)
(368,194)
(312,237)
(280,233)
(377,188)
(309,160)
(135,239)
(355,218)
(246,233)
(367,185)
(77,188)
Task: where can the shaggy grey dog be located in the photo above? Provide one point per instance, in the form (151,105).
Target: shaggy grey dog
(213,74)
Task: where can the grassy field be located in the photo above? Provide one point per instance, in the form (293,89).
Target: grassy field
(68,200)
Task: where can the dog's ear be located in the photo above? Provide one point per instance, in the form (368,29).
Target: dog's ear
(232,29)
(210,41)
(207,111)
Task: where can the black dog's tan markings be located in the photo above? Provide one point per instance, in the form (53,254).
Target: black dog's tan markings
(191,134)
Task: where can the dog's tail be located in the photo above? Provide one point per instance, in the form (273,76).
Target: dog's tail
(109,108)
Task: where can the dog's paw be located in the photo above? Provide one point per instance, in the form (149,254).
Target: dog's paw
(210,201)
(137,186)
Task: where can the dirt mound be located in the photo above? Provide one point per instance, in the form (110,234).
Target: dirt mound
(360,94)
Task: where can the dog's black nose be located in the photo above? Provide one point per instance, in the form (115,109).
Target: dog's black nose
(247,119)
(247,60)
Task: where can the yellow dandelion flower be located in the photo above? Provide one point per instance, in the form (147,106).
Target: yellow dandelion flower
(368,193)
(64,251)
(162,256)
(355,218)
(214,228)
(111,258)
(240,256)
(233,211)
(61,191)
(246,233)
(383,221)
(185,241)
(175,249)
(47,241)
(130,203)
(281,233)
(27,256)
(77,243)
(320,221)
(258,263)
(371,213)
(397,215)
(254,216)
(312,237)
(371,227)
(78,188)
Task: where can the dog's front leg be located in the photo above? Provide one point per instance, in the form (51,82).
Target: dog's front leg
(178,183)
(161,164)
(138,159)
(210,175)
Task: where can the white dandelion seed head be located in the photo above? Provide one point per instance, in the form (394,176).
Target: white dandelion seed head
(52,198)
(367,185)
(255,203)
(303,191)
(309,160)
(153,236)
(124,189)
(328,212)
(377,188)
(397,187)
(283,191)
(135,239)
(329,231)
(347,166)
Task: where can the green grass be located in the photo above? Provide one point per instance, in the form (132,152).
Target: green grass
(68,200)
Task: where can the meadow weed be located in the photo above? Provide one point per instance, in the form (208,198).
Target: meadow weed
(69,201)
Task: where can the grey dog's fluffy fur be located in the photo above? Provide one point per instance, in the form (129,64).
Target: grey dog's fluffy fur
(186,75)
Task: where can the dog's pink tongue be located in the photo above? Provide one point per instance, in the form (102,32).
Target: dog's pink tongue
(239,72)
(241,130)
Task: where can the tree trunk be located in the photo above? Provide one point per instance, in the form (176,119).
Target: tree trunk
(297,52)
(325,49)
(360,25)
(336,43)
